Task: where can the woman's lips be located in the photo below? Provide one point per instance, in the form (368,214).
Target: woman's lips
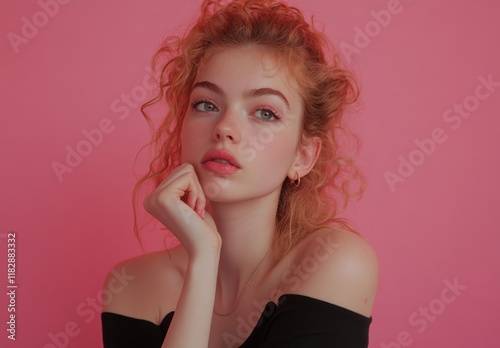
(220,161)
(219,167)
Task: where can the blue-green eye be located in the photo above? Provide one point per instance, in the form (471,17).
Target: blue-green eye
(204,106)
(266,115)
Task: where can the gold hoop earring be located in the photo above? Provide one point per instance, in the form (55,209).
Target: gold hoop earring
(295,182)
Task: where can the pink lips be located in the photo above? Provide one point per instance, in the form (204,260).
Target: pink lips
(220,161)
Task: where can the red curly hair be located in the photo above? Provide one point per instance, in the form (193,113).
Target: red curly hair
(326,89)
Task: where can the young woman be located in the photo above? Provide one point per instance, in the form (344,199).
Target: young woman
(250,177)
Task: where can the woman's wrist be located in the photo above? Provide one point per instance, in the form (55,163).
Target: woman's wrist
(205,260)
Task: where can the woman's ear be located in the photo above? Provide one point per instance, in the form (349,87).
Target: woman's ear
(307,155)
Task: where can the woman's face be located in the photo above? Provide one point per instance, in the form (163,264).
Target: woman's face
(242,126)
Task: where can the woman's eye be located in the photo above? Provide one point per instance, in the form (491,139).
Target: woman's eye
(266,115)
(204,106)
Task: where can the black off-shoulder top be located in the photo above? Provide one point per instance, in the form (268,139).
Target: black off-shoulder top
(297,321)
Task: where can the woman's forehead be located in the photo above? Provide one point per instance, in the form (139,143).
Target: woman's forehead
(250,62)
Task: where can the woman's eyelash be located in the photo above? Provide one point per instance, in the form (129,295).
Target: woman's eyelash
(273,112)
(274,115)
(197,103)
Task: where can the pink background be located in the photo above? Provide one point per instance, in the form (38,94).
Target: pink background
(436,226)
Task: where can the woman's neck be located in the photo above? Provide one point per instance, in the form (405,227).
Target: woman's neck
(247,229)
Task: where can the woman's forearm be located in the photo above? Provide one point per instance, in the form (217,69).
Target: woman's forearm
(190,326)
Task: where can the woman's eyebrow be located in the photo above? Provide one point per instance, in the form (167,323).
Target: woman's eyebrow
(257,92)
(209,85)
(267,91)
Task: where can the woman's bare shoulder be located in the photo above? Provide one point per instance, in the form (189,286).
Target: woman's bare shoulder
(339,267)
(147,286)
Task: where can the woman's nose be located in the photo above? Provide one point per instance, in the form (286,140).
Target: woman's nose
(227,128)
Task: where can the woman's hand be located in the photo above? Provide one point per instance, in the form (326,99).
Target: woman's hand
(179,204)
